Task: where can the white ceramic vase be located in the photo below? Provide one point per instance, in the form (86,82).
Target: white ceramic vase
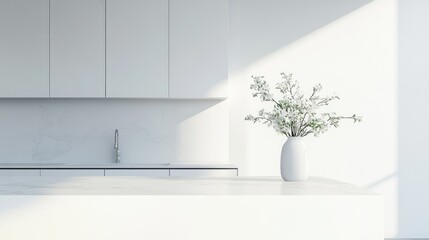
(294,160)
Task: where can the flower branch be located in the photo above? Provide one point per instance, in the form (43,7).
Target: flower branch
(293,115)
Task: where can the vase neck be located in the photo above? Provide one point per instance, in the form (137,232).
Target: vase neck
(295,139)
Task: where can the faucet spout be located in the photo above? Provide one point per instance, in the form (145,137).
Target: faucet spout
(116,147)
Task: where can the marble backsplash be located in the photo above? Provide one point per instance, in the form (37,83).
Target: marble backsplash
(82,130)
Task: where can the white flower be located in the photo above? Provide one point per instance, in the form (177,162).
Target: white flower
(294,114)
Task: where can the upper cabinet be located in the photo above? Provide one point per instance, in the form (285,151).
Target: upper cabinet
(77,42)
(137,48)
(24,48)
(198,48)
(114,48)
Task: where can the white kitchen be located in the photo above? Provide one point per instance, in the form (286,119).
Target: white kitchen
(154,119)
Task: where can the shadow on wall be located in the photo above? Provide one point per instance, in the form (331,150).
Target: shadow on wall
(413,127)
(277,23)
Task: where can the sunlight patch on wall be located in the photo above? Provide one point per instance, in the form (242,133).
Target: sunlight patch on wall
(354,56)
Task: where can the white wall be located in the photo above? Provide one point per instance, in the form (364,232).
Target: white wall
(82,131)
(413,118)
(348,46)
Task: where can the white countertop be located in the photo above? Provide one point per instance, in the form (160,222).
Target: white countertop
(115,166)
(174,186)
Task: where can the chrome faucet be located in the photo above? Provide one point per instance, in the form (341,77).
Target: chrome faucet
(116,146)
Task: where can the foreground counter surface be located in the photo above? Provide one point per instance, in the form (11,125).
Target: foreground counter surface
(187,208)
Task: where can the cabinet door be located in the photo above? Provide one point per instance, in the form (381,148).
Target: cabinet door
(136,48)
(203,172)
(24,48)
(19,172)
(77,48)
(138,172)
(198,48)
(71,172)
